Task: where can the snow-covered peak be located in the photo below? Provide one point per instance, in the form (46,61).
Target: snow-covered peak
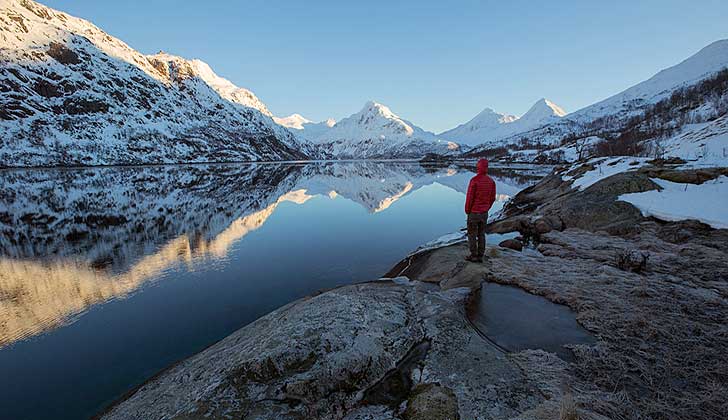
(295,121)
(542,111)
(179,68)
(375,108)
(490,118)
(490,125)
(376,118)
(375,131)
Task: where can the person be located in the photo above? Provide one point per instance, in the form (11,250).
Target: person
(479,199)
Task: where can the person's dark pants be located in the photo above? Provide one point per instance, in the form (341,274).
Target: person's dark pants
(476,233)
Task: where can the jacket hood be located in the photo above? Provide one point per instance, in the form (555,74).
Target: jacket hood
(483,167)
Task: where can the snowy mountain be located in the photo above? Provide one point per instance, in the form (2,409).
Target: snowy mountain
(490,126)
(177,69)
(71,94)
(679,112)
(375,132)
(690,71)
(295,121)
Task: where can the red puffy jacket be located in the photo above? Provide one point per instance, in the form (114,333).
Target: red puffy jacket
(481,190)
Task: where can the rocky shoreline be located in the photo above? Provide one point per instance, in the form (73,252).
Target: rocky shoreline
(653,294)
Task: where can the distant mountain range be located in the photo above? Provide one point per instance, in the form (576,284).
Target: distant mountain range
(490,126)
(71,94)
(373,132)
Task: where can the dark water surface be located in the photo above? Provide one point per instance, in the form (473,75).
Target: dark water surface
(517,320)
(108,275)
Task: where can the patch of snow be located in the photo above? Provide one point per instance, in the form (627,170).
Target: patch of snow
(705,144)
(706,202)
(444,240)
(604,168)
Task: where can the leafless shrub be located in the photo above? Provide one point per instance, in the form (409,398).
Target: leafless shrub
(567,409)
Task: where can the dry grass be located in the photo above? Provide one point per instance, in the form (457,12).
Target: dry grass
(662,333)
(567,408)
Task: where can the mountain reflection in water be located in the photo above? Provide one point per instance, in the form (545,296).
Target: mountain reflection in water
(71,239)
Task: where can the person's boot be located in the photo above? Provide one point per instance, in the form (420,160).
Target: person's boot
(473,258)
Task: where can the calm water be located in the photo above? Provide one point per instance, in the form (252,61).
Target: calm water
(109,275)
(517,320)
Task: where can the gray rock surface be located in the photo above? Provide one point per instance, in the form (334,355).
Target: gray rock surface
(327,356)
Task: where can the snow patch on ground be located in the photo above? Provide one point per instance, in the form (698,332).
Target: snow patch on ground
(604,168)
(706,202)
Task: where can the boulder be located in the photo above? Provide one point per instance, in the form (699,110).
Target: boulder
(541,226)
(512,224)
(512,244)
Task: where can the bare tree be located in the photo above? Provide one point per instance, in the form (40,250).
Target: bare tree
(580,145)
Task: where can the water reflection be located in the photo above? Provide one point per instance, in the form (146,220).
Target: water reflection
(70,239)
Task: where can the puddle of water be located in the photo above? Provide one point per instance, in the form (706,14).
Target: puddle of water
(517,320)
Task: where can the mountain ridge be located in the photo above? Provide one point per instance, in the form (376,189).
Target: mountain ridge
(375,132)
(490,126)
(71,94)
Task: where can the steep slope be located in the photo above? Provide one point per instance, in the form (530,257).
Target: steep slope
(70,94)
(377,132)
(490,126)
(186,69)
(706,62)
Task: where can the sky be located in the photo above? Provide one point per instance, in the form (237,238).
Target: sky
(434,63)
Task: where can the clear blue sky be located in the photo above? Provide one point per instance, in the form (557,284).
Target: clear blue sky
(435,63)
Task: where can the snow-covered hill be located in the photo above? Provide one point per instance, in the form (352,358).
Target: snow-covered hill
(375,132)
(678,112)
(706,62)
(71,94)
(490,126)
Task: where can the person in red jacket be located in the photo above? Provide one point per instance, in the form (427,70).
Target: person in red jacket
(480,198)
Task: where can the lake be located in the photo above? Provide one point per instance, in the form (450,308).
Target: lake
(109,275)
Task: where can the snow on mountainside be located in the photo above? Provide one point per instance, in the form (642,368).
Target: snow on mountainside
(695,68)
(678,112)
(490,126)
(70,94)
(376,132)
(197,68)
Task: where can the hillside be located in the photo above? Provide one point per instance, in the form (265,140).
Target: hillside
(71,94)
(679,112)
